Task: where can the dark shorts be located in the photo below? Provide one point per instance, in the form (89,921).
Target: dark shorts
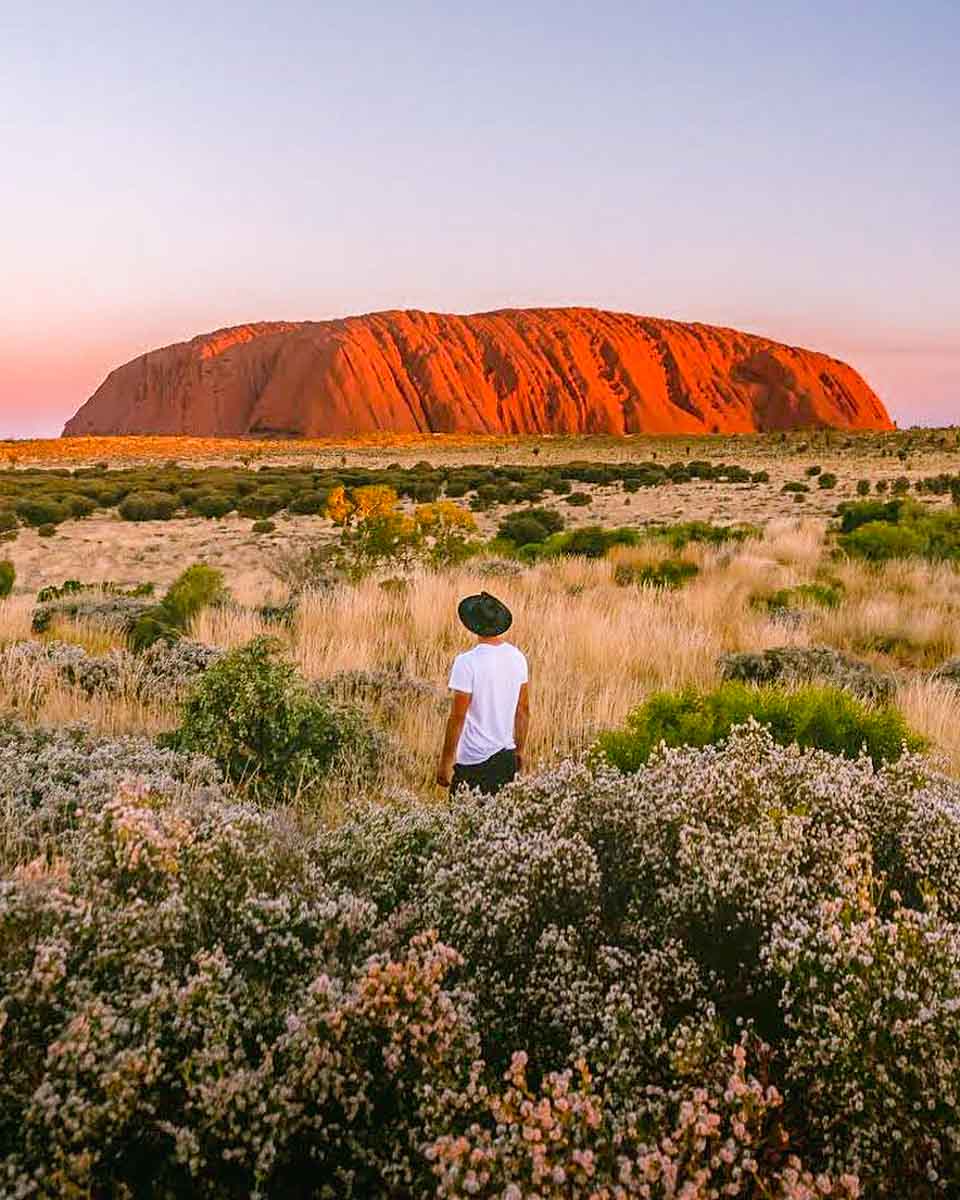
(487,777)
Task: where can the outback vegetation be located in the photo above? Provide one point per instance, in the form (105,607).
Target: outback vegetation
(707,946)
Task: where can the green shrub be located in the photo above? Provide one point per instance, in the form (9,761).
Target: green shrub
(822,595)
(310,503)
(37,511)
(826,481)
(860,512)
(591,541)
(212,505)
(863,487)
(46,531)
(263,527)
(8,521)
(822,717)
(148,506)
(682,533)
(798,489)
(670,573)
(578,499)
(530,525)
(880,541)
(254,716)
(264,502)
(8,577)
(197,588)
(813,471)
(522,530)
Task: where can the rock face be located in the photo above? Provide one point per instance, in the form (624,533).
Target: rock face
(565,370)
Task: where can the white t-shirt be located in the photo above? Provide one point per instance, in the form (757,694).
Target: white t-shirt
(493,675)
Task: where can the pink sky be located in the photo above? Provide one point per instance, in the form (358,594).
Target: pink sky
(791,170)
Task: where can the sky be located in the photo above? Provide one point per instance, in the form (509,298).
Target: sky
(791,169)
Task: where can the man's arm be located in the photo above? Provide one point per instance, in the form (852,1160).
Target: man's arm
(448,755)
(521,722)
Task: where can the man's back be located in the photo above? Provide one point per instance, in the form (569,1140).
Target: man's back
(492,674)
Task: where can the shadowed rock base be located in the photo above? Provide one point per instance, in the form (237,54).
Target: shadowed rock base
(565,370)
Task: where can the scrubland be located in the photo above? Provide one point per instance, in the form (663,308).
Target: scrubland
(247,946)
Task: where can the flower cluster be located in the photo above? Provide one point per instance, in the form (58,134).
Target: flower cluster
(735,972)
(50,777)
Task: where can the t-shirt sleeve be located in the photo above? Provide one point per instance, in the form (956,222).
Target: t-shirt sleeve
(524,669)
(461,675)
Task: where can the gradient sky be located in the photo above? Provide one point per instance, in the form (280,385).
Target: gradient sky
(788,168)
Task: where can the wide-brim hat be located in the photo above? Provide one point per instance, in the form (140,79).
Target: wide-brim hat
(485,615)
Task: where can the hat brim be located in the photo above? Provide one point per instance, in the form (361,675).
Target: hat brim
(479,618)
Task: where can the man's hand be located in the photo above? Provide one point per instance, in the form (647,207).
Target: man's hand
(444,774)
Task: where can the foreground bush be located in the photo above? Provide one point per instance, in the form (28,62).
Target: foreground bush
(201,1000)
(49,777)
(253,714)
(8,577)
(822,717)
(637,922)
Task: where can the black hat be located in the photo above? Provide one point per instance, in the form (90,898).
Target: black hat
(485,615)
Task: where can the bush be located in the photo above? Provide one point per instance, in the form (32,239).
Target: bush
(827,480)
(268,732)
(682,533)
(632,923)
(806,664)
(822,717)
(529,525)
(590,541)
(8,521)
(148,506)
(813,471)
(879,541)
(578,499)
(8,577)
(670,573)
(863,487)
(197,588)
(46,531)
(263,527)
(39,512)
(734,972)
(821,595)
(798,489)
(212,505)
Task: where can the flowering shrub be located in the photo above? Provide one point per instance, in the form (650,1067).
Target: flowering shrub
(48,777)
(635,922)
(735,972)
(720,1140)
(188,1009)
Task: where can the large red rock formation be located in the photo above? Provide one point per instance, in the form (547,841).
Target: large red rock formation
(564,370)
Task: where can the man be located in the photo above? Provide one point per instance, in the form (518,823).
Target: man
(490,708)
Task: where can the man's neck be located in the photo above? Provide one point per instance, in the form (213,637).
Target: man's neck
(492,641)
